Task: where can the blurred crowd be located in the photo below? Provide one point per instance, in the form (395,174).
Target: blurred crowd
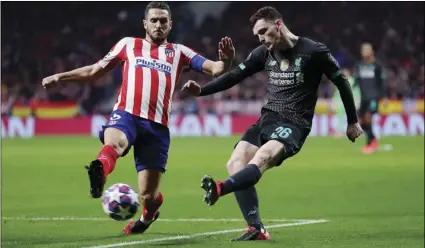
(43,38)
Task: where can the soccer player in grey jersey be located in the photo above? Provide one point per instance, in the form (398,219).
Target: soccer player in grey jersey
(370,78)
(295,66)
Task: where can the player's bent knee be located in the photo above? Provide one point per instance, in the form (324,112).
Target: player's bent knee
(117,139)
(243,153)
(235,165)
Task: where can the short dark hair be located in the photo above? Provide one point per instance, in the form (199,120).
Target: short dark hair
(158,5)
(267,13)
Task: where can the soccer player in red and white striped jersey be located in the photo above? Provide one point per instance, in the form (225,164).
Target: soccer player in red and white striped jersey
(151,73)
(151,68)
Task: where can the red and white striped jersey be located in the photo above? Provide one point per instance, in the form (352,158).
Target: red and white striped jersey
(149,75)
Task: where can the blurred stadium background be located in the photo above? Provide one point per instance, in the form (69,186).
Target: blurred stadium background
(371,201)
(47,38)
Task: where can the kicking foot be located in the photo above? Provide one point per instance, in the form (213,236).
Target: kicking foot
(212,190)
(96,177)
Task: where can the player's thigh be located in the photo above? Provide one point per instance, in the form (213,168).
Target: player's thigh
(241,155)
(245,149)
(119,131)
(151,147)
(290,136)
(270,154)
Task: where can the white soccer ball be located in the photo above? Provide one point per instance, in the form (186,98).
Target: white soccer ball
(120,202)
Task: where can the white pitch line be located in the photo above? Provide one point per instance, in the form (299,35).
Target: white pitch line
(66,218)
(385,147)
(179,237)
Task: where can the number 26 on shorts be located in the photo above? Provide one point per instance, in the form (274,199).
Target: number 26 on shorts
(282,132)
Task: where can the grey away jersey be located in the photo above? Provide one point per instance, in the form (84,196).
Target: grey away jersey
(370,79)
(294,77)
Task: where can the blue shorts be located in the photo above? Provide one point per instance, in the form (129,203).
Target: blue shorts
(150,140)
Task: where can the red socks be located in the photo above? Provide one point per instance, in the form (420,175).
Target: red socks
(150,207)
(108,156)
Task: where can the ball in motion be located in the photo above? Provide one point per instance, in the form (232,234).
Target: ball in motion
(120,202)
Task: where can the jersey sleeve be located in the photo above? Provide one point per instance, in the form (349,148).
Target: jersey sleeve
(255,62)
(330,67)
(115,55)
(192,59)
(327,63)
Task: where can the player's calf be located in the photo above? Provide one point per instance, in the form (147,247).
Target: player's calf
(151,198)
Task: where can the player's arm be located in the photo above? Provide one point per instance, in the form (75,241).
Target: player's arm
(86,73)
(331,69)
(214,68)
(252,64)
(91,72)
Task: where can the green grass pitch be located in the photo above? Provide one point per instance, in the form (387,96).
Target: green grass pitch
(369,200)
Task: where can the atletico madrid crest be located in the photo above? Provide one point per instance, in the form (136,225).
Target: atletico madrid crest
(169,52)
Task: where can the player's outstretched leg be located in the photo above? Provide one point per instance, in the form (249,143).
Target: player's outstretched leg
(151,198)
(115,143)
(247,199)
(150,156)
(265,158)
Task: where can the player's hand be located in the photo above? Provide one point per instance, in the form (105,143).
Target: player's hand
(192,87)
(49,82)
(226,51)
(354,131)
